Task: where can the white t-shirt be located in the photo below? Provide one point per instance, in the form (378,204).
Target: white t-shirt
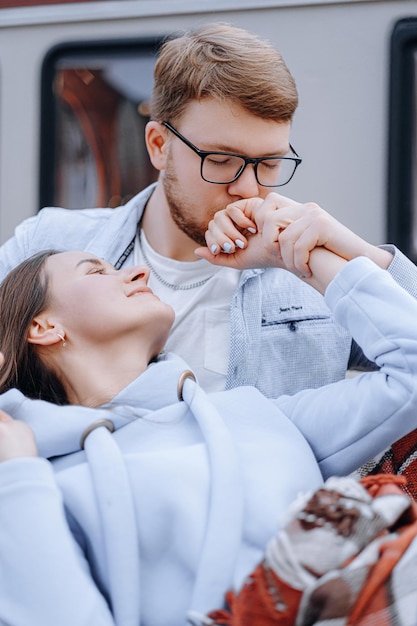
(201,331)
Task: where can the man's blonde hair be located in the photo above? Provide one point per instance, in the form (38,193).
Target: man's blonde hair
(226,63)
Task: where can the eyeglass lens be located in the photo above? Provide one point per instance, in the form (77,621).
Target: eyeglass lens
(271,172)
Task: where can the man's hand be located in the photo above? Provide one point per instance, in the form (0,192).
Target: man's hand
(279,232)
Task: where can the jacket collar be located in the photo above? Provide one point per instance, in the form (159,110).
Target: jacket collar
(156,388)
(111,241)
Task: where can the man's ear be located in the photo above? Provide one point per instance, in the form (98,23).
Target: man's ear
(156,144)
(44,333)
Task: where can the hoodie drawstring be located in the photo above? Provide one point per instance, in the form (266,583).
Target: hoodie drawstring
(224,527)
(117,517)
(116,511)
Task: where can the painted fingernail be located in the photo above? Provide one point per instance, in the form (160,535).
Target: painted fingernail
(239,243)
(227,247)
(252,230)
(214,247)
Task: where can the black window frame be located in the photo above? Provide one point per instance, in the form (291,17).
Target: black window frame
(402,137)
(115,47)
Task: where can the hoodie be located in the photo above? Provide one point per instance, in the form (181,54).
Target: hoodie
(149,508)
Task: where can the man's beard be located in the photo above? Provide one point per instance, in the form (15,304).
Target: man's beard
(181,209)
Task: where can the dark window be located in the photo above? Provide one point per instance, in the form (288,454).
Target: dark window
(29,3)
(402,148)
(94,108)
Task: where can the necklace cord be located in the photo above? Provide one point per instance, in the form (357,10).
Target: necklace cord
(164,282)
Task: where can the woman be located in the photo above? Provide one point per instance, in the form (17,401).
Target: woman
(176,506)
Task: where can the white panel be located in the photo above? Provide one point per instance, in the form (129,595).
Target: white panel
(338,53)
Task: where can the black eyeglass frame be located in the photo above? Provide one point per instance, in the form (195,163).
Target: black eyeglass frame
(203,154)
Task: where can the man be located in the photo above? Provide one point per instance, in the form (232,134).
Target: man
(221,113)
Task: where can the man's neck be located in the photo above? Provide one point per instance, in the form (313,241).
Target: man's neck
(161,231)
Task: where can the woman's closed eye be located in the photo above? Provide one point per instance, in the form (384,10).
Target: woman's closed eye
(96,270)
(94,266)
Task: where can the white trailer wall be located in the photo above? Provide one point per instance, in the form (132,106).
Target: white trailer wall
(337,51)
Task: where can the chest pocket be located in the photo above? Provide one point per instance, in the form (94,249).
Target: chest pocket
(306,346)
(293,317)
(298,313)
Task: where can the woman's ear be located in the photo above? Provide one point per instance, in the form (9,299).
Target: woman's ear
(156,144)
(44,333)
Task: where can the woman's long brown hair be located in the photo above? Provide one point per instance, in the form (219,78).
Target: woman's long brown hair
(23,295)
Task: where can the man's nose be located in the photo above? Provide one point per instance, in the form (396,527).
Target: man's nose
(246,186)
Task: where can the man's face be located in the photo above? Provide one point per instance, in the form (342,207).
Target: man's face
(212,125)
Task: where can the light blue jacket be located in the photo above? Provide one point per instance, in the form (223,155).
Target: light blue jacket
(283,336)
(176,507)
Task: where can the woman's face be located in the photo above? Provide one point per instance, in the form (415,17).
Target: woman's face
(97,303)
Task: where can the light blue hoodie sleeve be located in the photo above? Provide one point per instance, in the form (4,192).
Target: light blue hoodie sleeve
(350,421)
(55,586)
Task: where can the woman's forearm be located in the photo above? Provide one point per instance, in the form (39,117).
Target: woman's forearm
(324,266)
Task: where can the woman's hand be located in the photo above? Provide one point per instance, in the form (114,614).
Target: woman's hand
(16,439)
(235,239)
(279,232)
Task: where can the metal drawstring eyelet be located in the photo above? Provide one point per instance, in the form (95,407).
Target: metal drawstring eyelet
(181,381)
(98,424)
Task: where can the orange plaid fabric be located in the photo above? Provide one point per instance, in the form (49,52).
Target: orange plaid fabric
(400,459)
(362,567)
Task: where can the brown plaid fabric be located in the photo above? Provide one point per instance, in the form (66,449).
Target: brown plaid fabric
(347,556)
(400,459)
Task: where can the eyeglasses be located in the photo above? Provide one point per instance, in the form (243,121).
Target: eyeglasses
(223,168)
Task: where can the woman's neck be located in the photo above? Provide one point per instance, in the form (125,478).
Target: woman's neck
(94,378)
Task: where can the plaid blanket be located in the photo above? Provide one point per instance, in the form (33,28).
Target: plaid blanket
(346,556)
(400,459)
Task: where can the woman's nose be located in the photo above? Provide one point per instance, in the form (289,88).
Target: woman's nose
(138,272)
